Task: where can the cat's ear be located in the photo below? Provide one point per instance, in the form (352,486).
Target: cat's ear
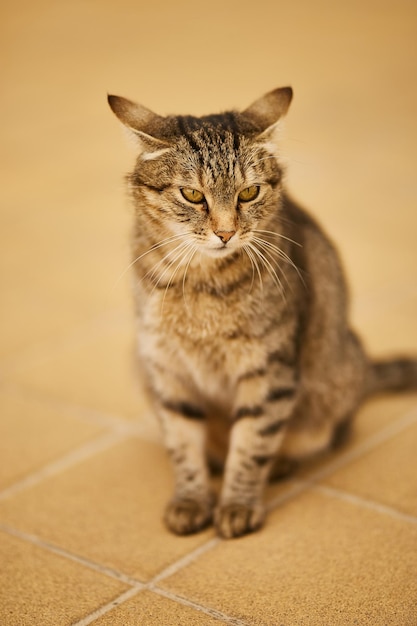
(142,124)
(268,110)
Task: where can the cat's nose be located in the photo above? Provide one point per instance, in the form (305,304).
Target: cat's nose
(225,235)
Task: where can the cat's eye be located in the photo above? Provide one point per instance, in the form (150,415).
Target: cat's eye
(192,195)
(249,194)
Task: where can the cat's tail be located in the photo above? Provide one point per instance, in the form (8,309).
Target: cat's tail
(392,375)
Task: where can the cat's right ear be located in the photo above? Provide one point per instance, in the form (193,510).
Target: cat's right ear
(141,123)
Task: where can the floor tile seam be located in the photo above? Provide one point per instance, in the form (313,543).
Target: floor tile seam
(367,503)
(109,606)
(109,421)
(180,600)
(77,455)
(70,556)
(374,441)
(78,335)
(203,608)
(299,486)
(184,561)
(135,585)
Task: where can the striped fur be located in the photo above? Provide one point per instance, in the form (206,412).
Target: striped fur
(242,311)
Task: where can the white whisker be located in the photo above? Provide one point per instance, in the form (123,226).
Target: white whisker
(182,256)
(271,232)
(254,264)
(177,258)
(282,255)
(154,269)
(273,252)
(193,251)
(157,245)
(269,267)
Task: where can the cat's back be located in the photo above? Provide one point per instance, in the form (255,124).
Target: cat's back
(313,251)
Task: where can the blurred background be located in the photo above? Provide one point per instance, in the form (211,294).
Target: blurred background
(350,144)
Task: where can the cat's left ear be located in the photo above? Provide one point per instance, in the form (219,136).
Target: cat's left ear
(142,124)
(266,112)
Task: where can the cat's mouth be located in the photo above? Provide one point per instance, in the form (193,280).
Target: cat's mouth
(219,251)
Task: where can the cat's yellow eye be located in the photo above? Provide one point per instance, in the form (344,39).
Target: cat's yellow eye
(192,195)
(249,194)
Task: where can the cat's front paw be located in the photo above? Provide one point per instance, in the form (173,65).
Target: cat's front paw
(236,519)
(185,516)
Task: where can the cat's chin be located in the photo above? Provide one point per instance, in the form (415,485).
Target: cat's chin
(217,253)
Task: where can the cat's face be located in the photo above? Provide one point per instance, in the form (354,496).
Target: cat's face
(213,181)
(212,185)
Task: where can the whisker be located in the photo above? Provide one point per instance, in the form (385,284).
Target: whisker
(270,269)
(271,232)
(178,256)
(154,269)
(254,263)
(193,251)
(272,250)
(283,255)
(157,245)
(181,257)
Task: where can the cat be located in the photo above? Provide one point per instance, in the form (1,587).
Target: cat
(241,301)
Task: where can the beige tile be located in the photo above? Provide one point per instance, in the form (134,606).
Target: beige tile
(108,509)
(351,138)
(379,412)
(33,434)
(372,420)
(94,367)
(318,561)
(37,587)
(151,609)
(387,475)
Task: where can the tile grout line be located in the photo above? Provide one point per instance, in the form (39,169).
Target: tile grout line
(364,503)
(110,421)
(80,560)
(189,558)
(103,610)
(203,609)
(105,441)
(382,436)
(136,585)
(99,444)
(300,486)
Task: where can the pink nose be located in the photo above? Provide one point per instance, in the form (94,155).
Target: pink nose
(225,235)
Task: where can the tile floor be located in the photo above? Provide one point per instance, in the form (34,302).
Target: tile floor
(83,477)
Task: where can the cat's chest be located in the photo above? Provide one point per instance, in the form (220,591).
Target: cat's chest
(201,319)
(211,341)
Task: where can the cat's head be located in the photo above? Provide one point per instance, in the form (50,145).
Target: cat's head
(214,179)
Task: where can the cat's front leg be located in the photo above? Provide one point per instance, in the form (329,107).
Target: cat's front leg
(260,419)
(183,422)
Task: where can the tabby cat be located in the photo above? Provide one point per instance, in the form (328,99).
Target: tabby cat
(242,311)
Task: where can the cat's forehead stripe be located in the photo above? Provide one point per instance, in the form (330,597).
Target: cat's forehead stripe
(215,141)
